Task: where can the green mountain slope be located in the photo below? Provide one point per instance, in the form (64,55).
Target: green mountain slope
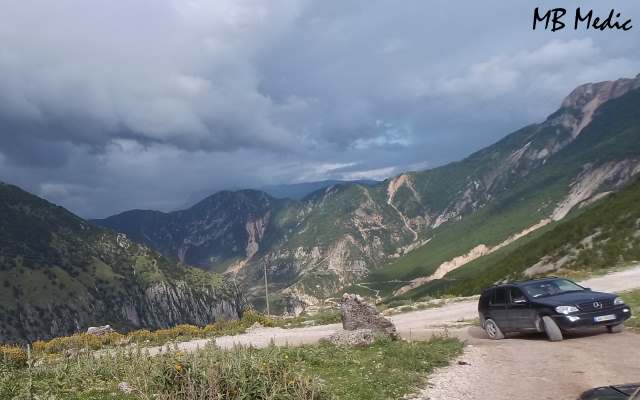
(60,274)
(603,157)
(599,236)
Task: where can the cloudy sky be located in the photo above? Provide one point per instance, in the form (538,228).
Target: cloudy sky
(112,105)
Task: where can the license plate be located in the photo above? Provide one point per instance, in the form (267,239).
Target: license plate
(603,318)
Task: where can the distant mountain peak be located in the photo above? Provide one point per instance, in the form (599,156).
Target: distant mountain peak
(602,91)
(586,99)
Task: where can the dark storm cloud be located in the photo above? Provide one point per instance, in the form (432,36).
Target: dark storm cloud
(112,105)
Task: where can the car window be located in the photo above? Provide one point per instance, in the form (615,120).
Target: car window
(551,288)
(517,296)
(499,296)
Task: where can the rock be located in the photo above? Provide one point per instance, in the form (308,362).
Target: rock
(100,330)
(357,338)
(358,314)
(125,387)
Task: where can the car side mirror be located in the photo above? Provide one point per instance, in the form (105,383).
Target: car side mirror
(588,289)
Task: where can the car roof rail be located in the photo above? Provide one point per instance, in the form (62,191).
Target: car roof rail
(543,278)
(516,282)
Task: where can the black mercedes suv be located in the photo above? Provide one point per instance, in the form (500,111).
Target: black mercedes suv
(553,305)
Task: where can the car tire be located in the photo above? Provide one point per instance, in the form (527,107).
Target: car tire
(493,330)
(551,329)
(615,328)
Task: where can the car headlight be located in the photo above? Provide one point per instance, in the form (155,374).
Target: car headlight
(618,301)
(566,309)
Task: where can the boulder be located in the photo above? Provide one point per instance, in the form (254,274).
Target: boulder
(357,338)
(100,330)
(358,314)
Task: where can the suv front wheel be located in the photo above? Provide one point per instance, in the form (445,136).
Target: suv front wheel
(493,330)
(615,328)
(551,329)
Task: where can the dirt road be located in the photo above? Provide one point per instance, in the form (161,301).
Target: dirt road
(530,367)
(527,367)
(417,324)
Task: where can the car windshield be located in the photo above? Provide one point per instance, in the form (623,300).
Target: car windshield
(551,288)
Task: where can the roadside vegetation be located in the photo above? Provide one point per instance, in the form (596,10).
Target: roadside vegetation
(387,369)
(324,316)
(179,333)
(632,299)
(143,337)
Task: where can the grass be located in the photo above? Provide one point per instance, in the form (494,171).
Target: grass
(385,370)
(632,298)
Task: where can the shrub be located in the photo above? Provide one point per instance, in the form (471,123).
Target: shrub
(77,342)
(224,327)
(251,317)
(13,356)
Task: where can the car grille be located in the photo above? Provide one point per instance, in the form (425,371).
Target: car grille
(589,306)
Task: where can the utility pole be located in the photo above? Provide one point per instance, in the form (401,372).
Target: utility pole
(266,289)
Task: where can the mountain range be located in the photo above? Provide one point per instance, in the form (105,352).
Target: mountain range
(298,191)
(399,236)
(60,274)
(559,195)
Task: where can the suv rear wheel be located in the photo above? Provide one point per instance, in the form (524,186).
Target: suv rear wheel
(493,330)
(551,329)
